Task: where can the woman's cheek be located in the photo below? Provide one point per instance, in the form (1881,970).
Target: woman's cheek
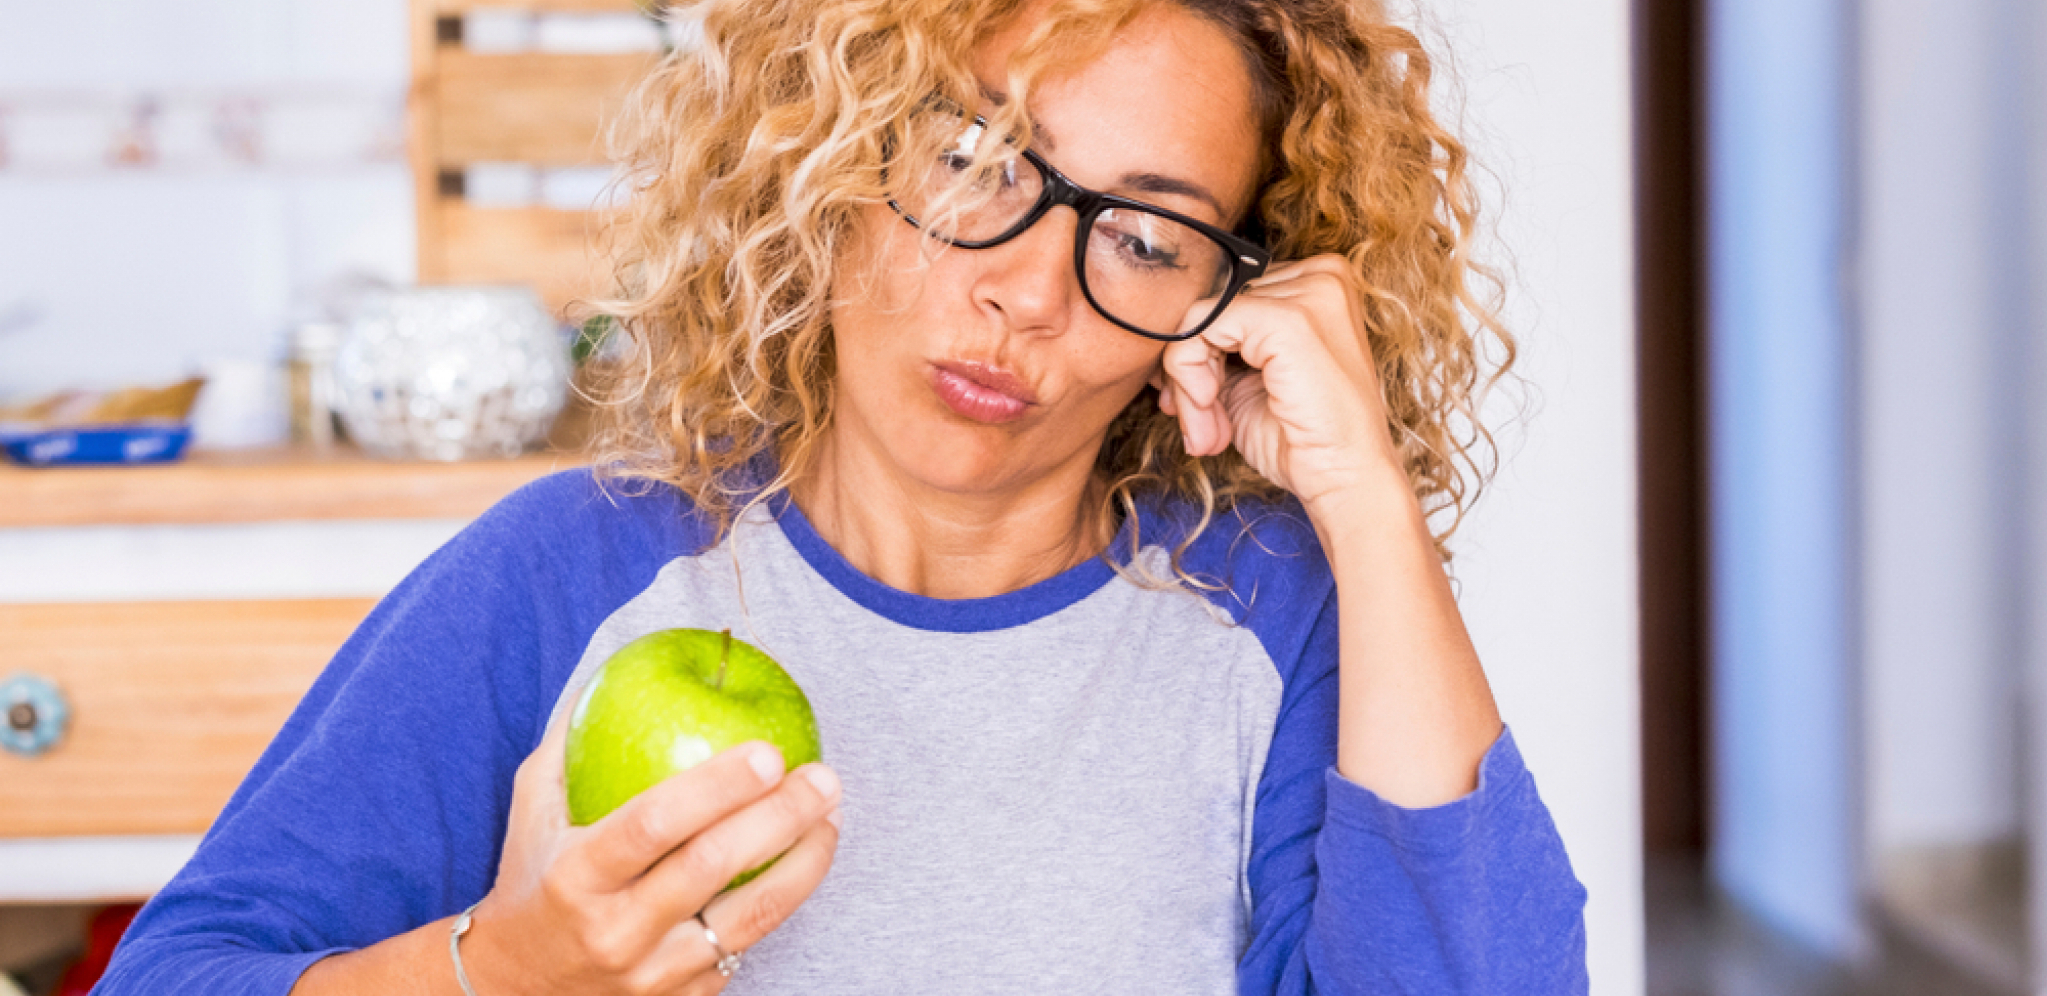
(1110,379)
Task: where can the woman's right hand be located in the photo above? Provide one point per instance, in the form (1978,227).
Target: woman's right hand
(609,908)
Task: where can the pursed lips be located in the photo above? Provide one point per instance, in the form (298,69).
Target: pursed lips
(992,377)
(981,392)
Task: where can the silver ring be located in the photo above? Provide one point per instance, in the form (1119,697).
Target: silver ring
(728,961)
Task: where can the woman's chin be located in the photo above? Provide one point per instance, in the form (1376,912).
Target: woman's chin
(967,473)
(964,459)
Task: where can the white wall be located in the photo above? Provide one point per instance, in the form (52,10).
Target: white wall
(1548,560)
(113,275)
(1953,282)
(1942,292)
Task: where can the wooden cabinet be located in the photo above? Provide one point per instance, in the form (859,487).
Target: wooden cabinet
(169,605)
(171,702)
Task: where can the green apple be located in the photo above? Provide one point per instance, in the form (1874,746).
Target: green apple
(667,702)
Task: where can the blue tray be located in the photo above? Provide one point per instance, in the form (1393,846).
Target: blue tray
(140,442)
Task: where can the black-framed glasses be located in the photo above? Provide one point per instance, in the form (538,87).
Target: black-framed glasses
(1140,266)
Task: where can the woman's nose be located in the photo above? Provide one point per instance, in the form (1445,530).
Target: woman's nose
(1030,280)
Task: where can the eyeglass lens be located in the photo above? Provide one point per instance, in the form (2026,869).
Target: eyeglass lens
(1140,268)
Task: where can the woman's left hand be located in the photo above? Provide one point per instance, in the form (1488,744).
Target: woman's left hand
(1415,715)
(1308,413)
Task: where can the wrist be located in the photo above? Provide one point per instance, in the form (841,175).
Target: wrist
(457,932)
(1370,511)
(478,956)
(415,962)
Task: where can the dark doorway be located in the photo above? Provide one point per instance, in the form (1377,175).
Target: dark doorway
(1670,379)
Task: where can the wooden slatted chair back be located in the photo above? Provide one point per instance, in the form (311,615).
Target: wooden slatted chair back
(537,109)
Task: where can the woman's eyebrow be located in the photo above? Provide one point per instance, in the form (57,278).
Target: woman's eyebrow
(1149,183)
(1159,183)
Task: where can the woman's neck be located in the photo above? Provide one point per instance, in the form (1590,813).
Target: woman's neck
(947,544)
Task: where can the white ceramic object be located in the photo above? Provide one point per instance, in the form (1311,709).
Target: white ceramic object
(451,373)
(242,406)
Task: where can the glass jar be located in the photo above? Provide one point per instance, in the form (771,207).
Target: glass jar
(451,373)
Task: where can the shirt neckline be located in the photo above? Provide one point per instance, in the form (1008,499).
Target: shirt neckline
(947,615)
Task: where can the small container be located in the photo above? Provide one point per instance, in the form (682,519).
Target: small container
(245,405)
(313,348)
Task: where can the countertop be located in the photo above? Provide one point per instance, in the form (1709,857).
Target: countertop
(263,486)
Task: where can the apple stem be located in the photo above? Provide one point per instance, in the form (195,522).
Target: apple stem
(724,654)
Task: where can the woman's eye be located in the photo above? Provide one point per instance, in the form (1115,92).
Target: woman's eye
(1153,255)
(997,178)
(1139,241)
(1142,251)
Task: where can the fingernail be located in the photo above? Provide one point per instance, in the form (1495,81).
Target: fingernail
(767,763)
(824,779)
(834,819)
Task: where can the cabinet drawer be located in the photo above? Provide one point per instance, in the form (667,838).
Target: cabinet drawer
(170,704)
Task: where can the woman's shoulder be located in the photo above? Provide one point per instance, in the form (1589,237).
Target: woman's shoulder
(595,495)
(590,510)
(1250,529)
(1254,551)
(573,546)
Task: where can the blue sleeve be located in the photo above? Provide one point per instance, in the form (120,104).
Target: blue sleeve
(1352,894)
(382,803)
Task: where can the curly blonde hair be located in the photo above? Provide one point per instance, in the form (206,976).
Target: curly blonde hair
(749,157)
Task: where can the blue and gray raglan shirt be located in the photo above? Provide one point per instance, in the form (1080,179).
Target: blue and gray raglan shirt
(1089,785)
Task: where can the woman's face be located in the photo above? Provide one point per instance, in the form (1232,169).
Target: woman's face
(986,370)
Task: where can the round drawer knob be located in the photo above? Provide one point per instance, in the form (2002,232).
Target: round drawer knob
(33,714)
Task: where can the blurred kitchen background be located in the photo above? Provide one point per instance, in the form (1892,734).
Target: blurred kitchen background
(1841,239)
(182,187)
(182,183)
(247,191)
(1762,587)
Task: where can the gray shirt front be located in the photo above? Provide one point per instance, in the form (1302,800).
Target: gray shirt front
(1065,774)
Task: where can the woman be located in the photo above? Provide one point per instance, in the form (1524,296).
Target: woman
(1059,392)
